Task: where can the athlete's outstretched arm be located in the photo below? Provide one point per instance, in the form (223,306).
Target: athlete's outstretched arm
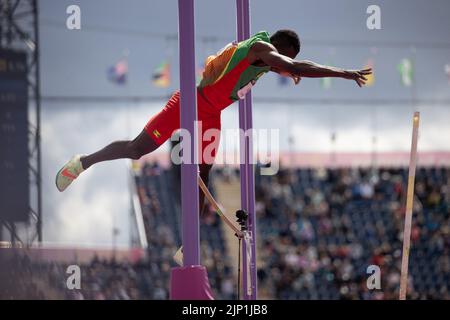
(283,64)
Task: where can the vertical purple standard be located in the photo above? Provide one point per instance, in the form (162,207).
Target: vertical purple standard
(190,281)
(246,166)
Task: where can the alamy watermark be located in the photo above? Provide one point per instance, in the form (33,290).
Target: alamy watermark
(73,21)
(374,280)
(74,280)
(265,144)
(373,21)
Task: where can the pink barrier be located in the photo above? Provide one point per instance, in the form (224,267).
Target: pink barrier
(190,283)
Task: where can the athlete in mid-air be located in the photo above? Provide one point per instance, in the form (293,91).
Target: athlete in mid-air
(227,77)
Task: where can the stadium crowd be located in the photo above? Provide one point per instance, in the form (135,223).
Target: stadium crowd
(322,228)
(319,230)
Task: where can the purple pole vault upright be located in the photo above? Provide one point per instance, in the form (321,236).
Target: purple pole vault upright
(247,169)
(190,281)
(188,116)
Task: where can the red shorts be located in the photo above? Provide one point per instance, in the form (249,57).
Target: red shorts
(162,125)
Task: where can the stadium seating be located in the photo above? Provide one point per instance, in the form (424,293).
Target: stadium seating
(322,228)
(318,231)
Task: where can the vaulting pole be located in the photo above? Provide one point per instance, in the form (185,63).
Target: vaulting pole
(249,274)
(409,208)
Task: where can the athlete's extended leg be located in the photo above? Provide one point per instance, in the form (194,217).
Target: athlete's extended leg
(130,149)
(133,149)
(157,130)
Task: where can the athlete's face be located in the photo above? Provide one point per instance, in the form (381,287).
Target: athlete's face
(286,51)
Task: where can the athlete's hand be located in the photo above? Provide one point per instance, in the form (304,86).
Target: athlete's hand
(295,78)
(358,75)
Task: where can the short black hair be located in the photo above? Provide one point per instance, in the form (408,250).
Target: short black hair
(288,38)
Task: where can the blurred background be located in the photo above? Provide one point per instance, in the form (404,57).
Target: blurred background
(335,207)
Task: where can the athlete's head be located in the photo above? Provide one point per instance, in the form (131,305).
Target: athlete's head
(287,42)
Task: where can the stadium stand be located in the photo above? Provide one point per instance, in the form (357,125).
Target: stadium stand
(321,228)
(318,230)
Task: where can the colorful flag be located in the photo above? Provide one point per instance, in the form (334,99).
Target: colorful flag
(406,72)
(326,82)
(161,76)
(118,73)
(371,77)
(447,71)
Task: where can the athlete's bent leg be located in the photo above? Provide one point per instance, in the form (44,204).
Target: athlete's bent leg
(204,174)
